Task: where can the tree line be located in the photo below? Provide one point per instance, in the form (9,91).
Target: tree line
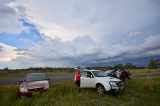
(152,64)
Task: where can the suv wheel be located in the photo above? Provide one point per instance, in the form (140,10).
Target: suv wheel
(100,89)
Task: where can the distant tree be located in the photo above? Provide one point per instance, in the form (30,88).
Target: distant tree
(6,69)
(141,67)
(158,63)
(153,64)
(118,66)
(130,65)
(88,68)
(109,67)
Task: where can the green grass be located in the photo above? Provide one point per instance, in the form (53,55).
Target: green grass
(139,92)
(143,71)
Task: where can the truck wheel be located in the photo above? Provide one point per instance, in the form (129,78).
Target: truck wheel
(100,89)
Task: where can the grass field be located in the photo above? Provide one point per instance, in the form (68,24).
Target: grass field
(23,73)
(140,71)
(139,92)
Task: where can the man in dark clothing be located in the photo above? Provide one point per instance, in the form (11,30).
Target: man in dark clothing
(124,75)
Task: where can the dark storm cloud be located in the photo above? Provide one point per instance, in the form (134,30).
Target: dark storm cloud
(54,52)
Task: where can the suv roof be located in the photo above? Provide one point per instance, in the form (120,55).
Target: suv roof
(89,70)
(94,70)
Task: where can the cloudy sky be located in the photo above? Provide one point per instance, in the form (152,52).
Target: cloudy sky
(61,33)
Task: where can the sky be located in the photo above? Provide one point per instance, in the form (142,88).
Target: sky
(69,33)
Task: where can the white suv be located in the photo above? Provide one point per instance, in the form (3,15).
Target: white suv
(99,80)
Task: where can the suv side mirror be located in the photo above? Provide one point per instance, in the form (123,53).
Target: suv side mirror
(92,76)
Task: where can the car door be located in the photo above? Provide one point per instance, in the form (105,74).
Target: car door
(87,80)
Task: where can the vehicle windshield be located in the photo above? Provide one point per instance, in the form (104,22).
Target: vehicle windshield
(99,74)
(109,72)
(35,77)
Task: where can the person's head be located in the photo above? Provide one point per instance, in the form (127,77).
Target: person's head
(77,68)
(118,69)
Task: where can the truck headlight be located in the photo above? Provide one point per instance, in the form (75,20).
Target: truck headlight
(113,83)
(23,89)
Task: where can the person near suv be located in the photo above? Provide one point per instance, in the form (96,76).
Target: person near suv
(77,77)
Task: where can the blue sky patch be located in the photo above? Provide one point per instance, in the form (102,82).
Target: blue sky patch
(29,38)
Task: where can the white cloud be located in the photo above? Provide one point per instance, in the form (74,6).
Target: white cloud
(99,19)
(135,33)
(9,19)
(7,53)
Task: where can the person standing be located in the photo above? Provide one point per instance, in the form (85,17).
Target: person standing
(123,75)
(77,77)
(118,73)
(128,73)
